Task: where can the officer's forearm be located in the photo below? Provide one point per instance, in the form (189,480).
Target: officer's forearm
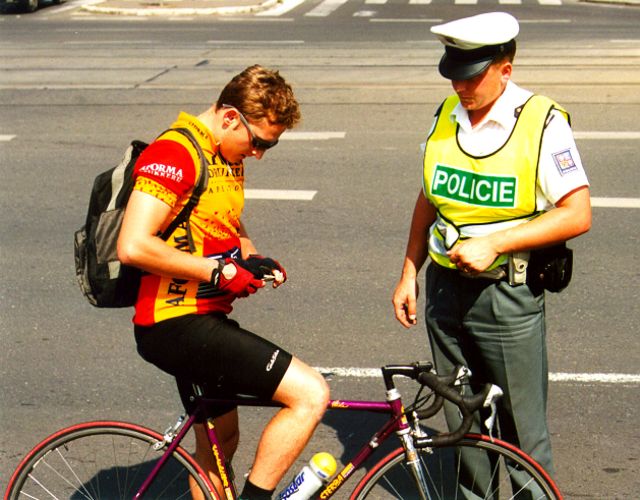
(570,218)
(417,246)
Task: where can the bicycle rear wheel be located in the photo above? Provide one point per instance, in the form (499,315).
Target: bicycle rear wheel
(476,467)
(104,460)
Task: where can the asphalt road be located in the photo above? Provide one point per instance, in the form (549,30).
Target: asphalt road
(76,87)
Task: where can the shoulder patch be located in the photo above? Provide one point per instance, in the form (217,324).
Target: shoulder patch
(564,162)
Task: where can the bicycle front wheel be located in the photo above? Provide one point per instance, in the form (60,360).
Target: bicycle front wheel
(105,460)
(474,468)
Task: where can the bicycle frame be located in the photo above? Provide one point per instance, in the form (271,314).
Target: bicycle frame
(397,423)
(73,448)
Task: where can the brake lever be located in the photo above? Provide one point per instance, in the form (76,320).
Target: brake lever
(494,394)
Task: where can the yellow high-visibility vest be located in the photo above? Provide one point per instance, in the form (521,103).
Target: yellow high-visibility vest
(478,195)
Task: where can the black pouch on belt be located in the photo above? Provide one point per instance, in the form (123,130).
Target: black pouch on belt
(550,268)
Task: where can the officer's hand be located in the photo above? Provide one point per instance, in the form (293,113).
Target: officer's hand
(404,302)
(235,279)
(474,255)
(261,266)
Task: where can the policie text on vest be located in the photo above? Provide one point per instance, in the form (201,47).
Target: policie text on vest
(476,189)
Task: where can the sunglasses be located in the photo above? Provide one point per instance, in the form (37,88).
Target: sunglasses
(256,142)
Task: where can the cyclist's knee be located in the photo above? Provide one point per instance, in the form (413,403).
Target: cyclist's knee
(303,388)
(318,390)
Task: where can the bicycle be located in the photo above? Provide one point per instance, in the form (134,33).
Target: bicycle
(105,459)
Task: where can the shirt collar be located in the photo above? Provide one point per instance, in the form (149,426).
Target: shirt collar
(200,129)
(501,113)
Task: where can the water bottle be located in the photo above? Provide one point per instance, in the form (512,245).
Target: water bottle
(311,478)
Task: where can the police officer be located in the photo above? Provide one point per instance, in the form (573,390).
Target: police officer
(502,179)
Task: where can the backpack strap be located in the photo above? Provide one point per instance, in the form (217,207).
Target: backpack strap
(198,189)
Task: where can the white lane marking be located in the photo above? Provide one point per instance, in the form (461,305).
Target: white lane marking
(415,20)
(279,194)
(545,21)
(345,371)
(467,2)
(419,2)
(365,13)
(326,8)
(615,202)
(312,136)
(601,378)
(255,19)
(108,42)
(6,137)
(96,17)
(72,5)
(282,8)
(607,134)
(256,42)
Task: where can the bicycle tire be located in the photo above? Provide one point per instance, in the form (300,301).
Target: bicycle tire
(522,479)
(104,460)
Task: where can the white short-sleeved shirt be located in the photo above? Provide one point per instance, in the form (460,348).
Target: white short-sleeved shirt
(560,170)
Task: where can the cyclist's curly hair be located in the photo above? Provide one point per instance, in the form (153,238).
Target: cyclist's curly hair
(259,93)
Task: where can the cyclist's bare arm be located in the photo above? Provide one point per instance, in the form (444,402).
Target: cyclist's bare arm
(139,244)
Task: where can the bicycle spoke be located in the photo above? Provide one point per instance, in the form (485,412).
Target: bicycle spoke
(391,487)
(41,486)
(45,463)
(472,469)
(83,491)
(432,482)
(493,479)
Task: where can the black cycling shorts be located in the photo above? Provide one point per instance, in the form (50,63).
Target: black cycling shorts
(212,351)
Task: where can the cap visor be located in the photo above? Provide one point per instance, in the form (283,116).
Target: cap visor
(456,70)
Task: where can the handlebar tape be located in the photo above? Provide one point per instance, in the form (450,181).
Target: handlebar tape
(468,405)
(435,407)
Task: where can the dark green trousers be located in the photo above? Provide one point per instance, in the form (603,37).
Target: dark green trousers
(498,331)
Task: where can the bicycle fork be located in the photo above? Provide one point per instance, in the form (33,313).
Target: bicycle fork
(404,434)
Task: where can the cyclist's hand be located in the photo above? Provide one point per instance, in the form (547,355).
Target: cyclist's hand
(404,302)
(264,266)
(236,280)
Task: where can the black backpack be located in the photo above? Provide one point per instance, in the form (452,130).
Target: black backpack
(103,279)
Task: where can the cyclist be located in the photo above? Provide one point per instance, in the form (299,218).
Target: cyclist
(181,323)
(502,179)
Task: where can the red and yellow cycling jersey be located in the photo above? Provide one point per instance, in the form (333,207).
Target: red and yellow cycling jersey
(168,170)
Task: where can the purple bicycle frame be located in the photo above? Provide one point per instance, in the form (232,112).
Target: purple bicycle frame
(396,423)
(393,408)
(175,442)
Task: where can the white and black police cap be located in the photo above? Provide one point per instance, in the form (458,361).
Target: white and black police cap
(473,43)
